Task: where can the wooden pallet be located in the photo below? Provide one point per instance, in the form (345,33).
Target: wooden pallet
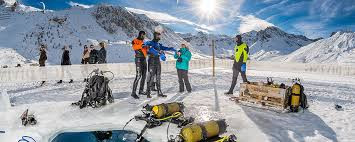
(264,95)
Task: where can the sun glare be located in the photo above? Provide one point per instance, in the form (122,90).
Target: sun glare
(208,10)
(208,6)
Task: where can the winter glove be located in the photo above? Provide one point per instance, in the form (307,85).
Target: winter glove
(243,68)
(162,57)
(179,60)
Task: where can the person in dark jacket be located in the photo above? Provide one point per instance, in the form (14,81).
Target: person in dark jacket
(241,52)
(141,64)
(183,57)
(65,62)
(42,58)
(102,54)
(93,55)
(156,53)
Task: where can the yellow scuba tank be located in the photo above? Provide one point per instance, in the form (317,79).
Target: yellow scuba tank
(295,97)
(164,110)
(203,131)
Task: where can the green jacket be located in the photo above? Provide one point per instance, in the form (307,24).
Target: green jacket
(185,56)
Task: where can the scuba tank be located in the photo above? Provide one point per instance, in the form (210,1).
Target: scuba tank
(203,131)
(156,115)
(295,97)
(163,110)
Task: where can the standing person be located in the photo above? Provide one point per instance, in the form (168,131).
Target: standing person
(141,64)
(183,57)
(102,54)
(241,51)
(93,55)
(42,58)
(85,60)
(156,53)
(65,62)
(86,55)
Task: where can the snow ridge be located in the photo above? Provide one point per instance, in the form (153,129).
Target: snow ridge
(339,48)
(25,31)
(264,44)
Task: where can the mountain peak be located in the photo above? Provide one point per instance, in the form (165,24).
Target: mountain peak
(340,32)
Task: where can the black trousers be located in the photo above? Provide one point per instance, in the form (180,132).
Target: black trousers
(141,71)
(183,79)
(236,70)
(154,69)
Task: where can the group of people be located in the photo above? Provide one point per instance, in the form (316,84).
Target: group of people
(90,56)
(93,56)
(154,51)
(148,57)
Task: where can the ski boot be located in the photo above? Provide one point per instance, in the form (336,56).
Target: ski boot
(134,95)
(60,82)
(71,81)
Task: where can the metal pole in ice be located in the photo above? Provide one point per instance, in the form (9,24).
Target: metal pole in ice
(4,101)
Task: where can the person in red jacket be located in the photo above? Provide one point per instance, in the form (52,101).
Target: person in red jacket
(141,64)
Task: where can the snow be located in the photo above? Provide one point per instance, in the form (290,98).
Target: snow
(10,57)
(5,101)
(22,31)
(320,123)
(338,49)
(265,44)
(25,30)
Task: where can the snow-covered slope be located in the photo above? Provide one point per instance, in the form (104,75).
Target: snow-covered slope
(10,57)
(24,31)
(339,48)
(264,44)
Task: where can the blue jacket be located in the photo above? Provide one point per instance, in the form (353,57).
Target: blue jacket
(156,48)
(185,59)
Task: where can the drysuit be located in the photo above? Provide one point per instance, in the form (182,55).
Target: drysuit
(141,66)
(154,66)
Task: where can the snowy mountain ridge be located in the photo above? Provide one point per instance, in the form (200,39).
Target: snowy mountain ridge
(263,44)
(339,48)
(24,31)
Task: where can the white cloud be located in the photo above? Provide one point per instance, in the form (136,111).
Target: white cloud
(167,19)
(311,29)
(249,23)
(80,5)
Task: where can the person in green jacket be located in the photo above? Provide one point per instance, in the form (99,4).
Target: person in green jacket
(183,57)
(241,53)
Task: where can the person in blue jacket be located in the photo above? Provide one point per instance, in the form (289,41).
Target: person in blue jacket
(155,54)
(183,57)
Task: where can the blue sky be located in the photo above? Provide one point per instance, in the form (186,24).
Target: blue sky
(313,18)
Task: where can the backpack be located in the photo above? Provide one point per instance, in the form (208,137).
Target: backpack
(97,92)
